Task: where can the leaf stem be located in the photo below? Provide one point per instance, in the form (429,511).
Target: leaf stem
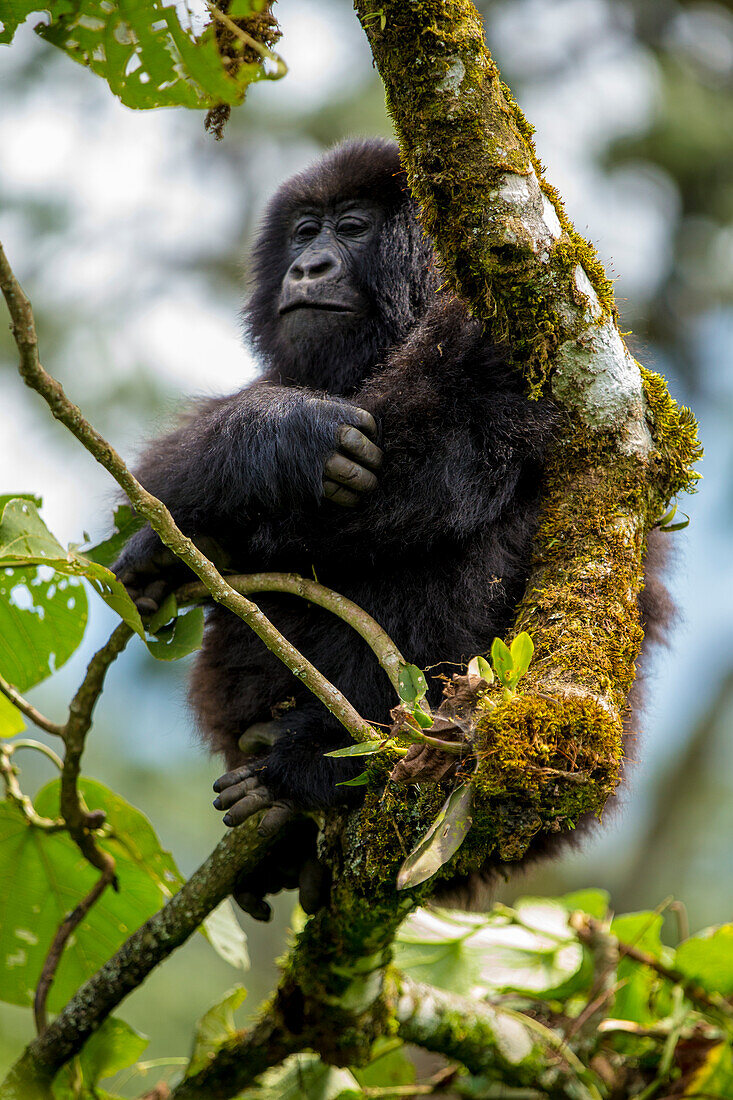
(368,628)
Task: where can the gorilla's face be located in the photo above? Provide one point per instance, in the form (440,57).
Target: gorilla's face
(323,289)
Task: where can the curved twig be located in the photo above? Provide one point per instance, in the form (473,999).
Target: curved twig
(362,622)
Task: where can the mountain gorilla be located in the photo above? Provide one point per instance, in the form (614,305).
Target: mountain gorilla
(385,447)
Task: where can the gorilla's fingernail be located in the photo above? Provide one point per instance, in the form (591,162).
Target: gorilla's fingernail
(216,786)
(216,803)
(227,820)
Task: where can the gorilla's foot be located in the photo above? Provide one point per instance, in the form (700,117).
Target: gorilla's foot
(243,793)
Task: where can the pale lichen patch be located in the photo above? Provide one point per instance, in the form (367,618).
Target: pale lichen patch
(598,379)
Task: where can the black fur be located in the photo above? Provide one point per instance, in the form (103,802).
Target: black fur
(438,554)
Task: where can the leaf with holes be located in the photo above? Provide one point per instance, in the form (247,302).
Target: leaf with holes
(43,617)
(26,541)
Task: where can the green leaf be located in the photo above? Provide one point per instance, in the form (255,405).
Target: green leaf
(362,748)
(12,14)
(442,840)
(479,666)
(183,636)
(113,1047)
(501,659)
(521,650)
(412,683)
(424,721)
(126,523)
(26,541)
(225,934)
(707,959)
(43,876)
(11,720)
(214,1028)
(299,1077)
(594,902)
(359,781)
(43,617)
(480,955)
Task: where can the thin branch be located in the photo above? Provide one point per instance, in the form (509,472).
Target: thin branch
(715,1005)
(70,922)
(28,710)
(78,819)
(160,519)
(368,628)
(239,852)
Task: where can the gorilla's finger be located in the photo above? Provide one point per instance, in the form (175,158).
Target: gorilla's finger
(237,776)
(253,905)
(233,794)
(145,605)
(362,419)
(260,736)
(272,822)
(340,468)
(356,444)
(337,494)
(251,804)
(156,591)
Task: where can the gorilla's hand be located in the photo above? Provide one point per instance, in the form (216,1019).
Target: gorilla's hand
(150,571)
(349,470)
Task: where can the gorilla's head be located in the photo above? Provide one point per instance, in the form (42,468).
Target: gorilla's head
(341,268)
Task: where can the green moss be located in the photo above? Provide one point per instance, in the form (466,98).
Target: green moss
(677,447)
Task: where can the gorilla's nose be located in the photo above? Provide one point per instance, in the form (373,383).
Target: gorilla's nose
(322,264)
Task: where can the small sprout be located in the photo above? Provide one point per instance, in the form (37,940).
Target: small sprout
(664,523)
(480,667)
(510,664)
(362,748)
(424,721)
(358,781)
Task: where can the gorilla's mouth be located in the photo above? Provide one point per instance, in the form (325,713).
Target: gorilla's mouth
(326,307)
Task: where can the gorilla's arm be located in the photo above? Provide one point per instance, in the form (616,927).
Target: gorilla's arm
(267,450)
(462,443)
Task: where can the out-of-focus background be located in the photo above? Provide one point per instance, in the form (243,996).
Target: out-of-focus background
(130,233)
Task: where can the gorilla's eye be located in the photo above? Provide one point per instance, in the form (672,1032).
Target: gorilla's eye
(306,230)
(351,226)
